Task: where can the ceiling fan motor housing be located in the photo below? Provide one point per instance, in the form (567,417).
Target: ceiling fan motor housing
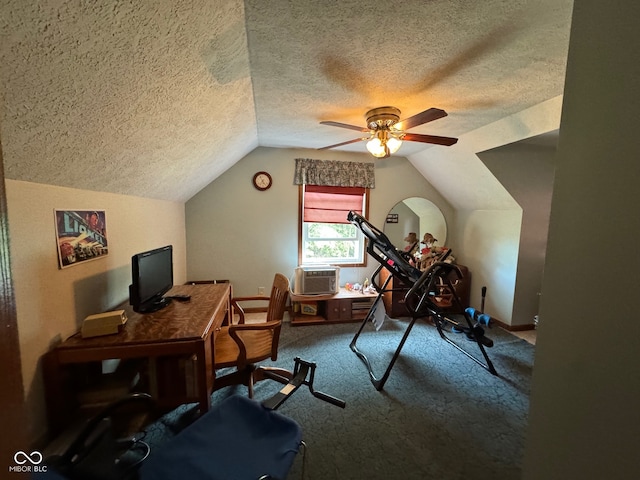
(382,117)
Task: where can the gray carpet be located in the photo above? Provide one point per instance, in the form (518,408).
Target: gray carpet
(440,415)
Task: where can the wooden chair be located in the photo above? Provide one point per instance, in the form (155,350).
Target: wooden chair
(242,345)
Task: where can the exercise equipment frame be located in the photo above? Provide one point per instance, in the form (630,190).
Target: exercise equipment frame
(423,299)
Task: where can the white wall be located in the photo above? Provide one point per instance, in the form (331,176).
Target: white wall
(584,417)
(526,169)
(51,302)
(239,233)
(488,242)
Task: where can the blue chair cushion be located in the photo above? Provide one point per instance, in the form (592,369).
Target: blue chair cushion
(238,439)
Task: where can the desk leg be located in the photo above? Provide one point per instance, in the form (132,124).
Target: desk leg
(59,403)
(53,389)
(204,374)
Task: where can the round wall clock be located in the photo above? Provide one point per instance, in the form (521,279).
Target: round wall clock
(262,181)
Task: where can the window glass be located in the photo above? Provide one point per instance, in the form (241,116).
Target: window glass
(326,236)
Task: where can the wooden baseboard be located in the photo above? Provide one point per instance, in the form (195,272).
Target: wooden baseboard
(513,328)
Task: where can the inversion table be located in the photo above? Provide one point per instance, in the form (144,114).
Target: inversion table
(425,298)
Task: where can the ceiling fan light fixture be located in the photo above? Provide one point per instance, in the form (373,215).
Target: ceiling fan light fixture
(383,143)
(394,144)
(377,148)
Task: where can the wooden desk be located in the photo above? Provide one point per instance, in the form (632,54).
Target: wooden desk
(180,329)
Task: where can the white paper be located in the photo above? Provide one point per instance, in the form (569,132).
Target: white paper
(379,314)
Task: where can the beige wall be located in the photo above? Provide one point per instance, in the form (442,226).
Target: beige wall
(584,418)
(52,302)
(236,232)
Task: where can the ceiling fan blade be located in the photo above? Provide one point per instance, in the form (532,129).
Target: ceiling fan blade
(345,125)
(423,117)
(417,137)
(340,144)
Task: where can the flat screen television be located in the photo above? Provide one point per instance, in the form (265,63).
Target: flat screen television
(152,277)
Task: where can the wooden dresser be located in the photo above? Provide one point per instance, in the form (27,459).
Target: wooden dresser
(394,299)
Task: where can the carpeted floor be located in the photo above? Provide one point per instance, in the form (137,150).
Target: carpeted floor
(440,415)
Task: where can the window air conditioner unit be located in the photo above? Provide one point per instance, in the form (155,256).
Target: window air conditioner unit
(316,280)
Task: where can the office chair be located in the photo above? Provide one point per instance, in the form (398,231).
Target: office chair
(242,345)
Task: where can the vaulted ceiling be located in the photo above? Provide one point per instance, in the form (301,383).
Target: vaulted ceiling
(159,98)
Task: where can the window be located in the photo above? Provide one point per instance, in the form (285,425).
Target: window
(325,234)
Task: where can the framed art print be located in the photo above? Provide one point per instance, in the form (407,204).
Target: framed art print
(81,236)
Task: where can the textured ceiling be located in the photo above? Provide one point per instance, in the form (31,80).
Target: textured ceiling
(158,98)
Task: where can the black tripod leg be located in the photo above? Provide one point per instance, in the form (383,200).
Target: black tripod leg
(379,383)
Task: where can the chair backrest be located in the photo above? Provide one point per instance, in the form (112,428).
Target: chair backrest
(278,299)
(259,341)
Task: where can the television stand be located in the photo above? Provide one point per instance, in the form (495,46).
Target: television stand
(153,306)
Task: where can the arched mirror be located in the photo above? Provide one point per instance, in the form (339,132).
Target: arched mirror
(417,215)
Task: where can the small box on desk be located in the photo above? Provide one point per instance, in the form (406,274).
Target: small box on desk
(107,323)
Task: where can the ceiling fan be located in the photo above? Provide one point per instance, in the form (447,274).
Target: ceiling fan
(386,131)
